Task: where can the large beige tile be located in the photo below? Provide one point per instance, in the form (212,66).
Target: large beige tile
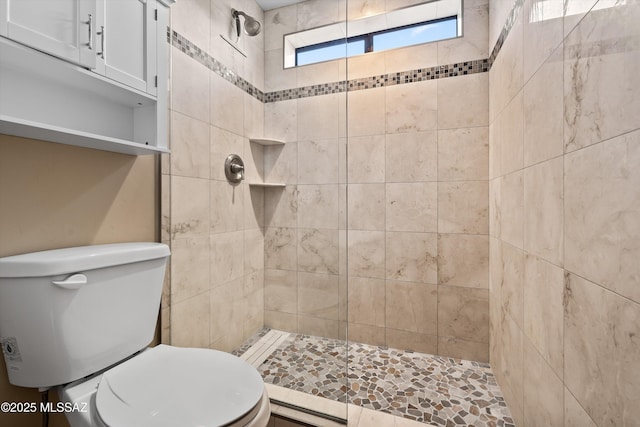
(189,146)
(227,105)
(281,291)
(190,322)
(543,210)
(281,164)
(227,257)
(318,206)
(319,117)
(411,156)
(281,120)
(543,309)
(366,159)
(463,349)
(602,352)
(574,414)
(314,13)
(276,76)
(463,207)
(412,207)
(412,257)
(512,285)
(366,112)
(474,89)
(253,304)
(511,209)
(366,301)
(411,107)
(318,295)
(463,260)
(411,58)
(189,207)
(281,207)
(318,162)
(366,334)
(282,321)
(602,221)
(366,254)
(463,154)
(543,391)
(227,330)
(507,75)
(227,207)
(542,32)
(463,313)
(602,63)
(189,268)
(253,250)
(192,20)
(508,367)
(280,248)
(474,42)
(412,341)
(319,327)
(318,250)
(411,307)
(189,87)
(279,22)
(509,128)
(366,207)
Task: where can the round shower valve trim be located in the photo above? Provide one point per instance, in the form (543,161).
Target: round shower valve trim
(234,168)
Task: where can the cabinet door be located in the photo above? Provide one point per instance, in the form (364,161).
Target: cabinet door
(63,28)
(127,42)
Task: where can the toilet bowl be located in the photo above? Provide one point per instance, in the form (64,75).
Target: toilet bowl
(171,386)
(79,320)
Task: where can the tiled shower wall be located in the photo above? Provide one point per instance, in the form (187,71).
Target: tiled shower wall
(565,211)
(215,296)
(416,214)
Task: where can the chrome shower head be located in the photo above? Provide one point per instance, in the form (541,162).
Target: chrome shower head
(251,25)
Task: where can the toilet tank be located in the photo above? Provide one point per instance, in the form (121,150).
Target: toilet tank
(68,313)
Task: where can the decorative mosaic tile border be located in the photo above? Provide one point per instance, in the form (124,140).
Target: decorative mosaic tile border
(506,29)
(191,50)
(411,76)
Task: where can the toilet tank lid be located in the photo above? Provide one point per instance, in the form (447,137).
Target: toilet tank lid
(77,259)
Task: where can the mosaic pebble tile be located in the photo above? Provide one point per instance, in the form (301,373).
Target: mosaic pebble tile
(435,390)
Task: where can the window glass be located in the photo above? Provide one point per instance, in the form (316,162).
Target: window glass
(328,51)
(415,34)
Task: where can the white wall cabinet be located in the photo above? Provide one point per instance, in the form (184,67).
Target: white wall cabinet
(64,28)
(126,42)
(117,103)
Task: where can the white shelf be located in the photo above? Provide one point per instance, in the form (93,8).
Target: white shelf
(28,129)
(266,141)
(45,98)
(267,184)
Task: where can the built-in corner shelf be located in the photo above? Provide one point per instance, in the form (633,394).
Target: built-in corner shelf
(266,141)
(267,184)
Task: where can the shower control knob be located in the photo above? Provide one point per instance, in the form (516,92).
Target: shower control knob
(234,168)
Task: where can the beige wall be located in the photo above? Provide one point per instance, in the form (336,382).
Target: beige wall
(411,200)
(54,196)
(215,298)
(565,212)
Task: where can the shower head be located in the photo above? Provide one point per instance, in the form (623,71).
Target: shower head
(251,25)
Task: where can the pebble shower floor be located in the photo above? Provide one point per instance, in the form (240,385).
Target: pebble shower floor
(435,390)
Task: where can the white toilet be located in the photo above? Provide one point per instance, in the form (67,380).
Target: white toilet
(79,319)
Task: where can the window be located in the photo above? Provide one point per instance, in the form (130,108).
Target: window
(408,35)
(408,26)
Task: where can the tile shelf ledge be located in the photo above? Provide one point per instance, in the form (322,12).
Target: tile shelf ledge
(267,141)
(267,184)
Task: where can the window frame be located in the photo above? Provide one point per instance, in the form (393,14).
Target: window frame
(368,39)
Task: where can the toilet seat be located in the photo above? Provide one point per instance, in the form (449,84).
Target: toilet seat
(169,386)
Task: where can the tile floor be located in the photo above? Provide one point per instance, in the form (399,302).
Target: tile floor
(428,389)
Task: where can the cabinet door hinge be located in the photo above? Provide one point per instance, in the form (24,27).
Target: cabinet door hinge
(156,81)
(156,14)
